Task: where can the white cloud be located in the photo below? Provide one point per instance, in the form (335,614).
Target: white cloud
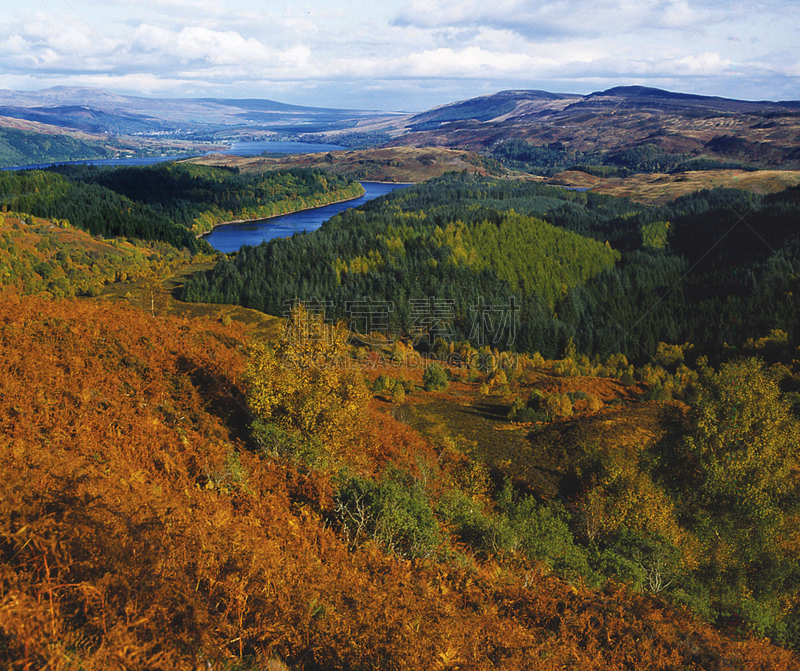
(195,43)
(558,18)
(709,63)
(679,14)
(432,49)
(471,62)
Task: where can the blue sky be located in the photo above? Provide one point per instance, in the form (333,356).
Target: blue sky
(401,54)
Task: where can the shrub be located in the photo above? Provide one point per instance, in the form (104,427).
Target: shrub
(486,534)
(277,443)
(516,407)
(383,383)
(393,512)
(407,384)
(657,392)
(231,475)
(398,394)
(647,560)
(520,411)
(577,396)
(434,378)
(558,405)
(536,400)
(531,415)
(595,403)
(543,534)
(499,377)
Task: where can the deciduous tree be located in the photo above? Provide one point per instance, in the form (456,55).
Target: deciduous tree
(305,381)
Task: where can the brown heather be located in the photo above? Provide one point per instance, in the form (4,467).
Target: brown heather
(139,529)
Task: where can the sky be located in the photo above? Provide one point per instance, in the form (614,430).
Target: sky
(402,55)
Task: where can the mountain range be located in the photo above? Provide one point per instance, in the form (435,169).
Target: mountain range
(97,111)
(757,133)
(763,133)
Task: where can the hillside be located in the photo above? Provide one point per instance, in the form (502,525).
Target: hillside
(383,164)
(662,188)
(174,203)
(416,164)
(189,484)
(200,547)
(627,128)
(449,238)
(200,197)
(32,142)
(42,256)
(677,126)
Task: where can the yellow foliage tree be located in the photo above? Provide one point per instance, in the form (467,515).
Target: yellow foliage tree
(744,440)
(306,382)
(622,493)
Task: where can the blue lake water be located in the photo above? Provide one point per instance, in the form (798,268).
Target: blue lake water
(235,148)
(231,237)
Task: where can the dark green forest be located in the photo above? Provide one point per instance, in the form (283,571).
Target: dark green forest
(555,157)
(198,197)
(168,202)
(20,147)
(713,268)
(94,208)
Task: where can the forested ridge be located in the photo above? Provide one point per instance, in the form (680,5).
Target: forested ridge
(20,147)
(95,209)
(712,268)
(173,203)
(554,157)
(198,197)
(446,238)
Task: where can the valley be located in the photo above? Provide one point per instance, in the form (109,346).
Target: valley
(538,409)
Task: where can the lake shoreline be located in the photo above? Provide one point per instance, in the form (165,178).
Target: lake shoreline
(231,236)
(200,236)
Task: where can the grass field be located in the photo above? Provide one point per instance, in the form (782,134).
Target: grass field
(657,188)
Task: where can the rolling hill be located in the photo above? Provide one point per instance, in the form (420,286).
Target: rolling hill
(628,126)
(762,133)
(102,112)
(149,523)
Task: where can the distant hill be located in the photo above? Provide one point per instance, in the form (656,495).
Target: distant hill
(752,133)
(516,105)
(664,129)
(26,147)
(93,123)
(100,111)
(488,108)
(79,117)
